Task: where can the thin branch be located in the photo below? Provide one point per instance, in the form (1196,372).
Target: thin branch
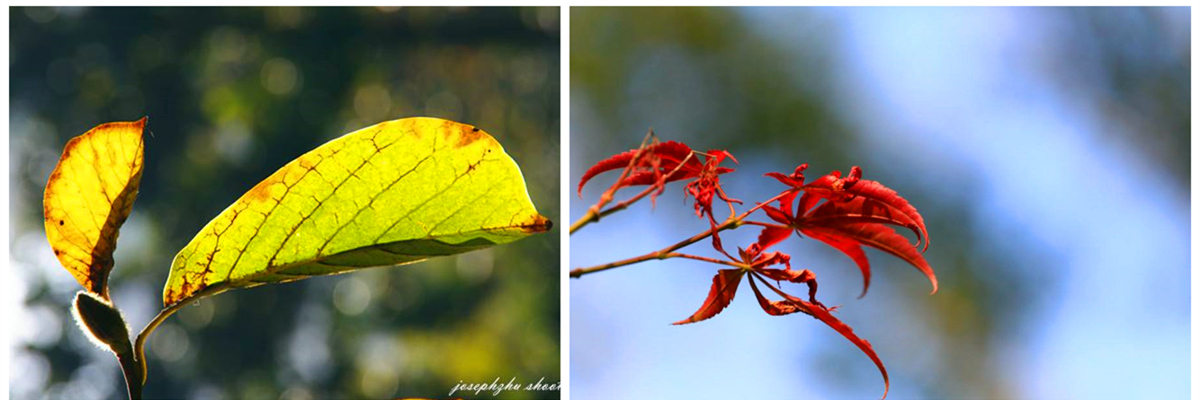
(767,225)
(139,346)
(649,189)
(731,223)
(708,259)
(593,213)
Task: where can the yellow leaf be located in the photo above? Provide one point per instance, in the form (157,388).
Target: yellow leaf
(394,193)
(88,197)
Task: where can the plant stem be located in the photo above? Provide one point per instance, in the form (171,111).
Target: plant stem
(768,225)
(709,259)
(130,368)
(659,255)
(588,218)
(135,366)
(665,253)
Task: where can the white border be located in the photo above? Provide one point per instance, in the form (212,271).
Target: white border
(564,209)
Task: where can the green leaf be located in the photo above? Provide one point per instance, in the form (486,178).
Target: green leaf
(393,193)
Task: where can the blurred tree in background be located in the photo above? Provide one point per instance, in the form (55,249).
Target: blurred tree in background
(1047,149)
(233,94)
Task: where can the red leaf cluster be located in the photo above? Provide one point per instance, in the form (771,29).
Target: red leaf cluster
(655,164)
(855,212)
(758,265)
(660,163)
(844,213)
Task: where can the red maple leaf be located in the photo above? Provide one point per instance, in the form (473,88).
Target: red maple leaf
(792,304)
(725,284)
(855,212)
(708,184)
(758,267)
(657,164)
(757,261)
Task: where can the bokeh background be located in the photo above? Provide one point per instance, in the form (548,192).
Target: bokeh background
(233,94)
(1047,148)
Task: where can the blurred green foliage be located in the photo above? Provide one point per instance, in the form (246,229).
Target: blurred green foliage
(741,70)
(233,94)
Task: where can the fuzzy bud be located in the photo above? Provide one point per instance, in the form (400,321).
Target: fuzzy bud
(102,323)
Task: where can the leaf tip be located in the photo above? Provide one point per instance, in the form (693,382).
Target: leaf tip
(538,224)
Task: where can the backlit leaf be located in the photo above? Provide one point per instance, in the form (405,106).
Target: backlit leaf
(659,161)
(878,236)
(876,191)
(793,304)
(900,211)
(852,249)
(823,314)
(394,193)
(724,287)
(88,197)
(776,308)
(668,156)
(771,236)
(863,209)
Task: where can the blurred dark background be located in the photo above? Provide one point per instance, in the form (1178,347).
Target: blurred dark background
(1047,148)
(233,94)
